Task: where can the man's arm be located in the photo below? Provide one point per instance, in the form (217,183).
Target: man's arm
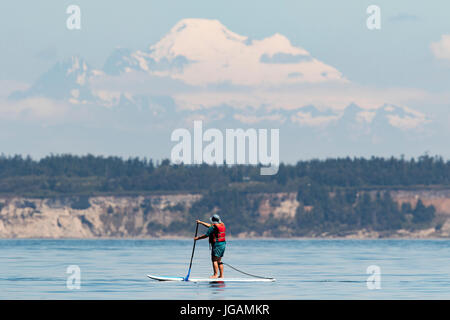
(204,223)
(201,237)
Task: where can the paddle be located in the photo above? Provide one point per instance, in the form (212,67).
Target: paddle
(192,256)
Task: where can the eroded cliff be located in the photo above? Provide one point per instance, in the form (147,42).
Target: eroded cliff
(150,215)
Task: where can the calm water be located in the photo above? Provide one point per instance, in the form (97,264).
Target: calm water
(304,269)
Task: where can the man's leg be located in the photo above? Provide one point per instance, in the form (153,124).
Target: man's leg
(220,267)
(215,266)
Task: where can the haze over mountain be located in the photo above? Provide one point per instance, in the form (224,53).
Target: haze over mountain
(202,70)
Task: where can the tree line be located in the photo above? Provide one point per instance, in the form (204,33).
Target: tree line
(334,195)
(66,174)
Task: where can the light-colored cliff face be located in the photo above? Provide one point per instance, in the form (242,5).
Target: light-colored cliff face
(280,205)
(146,216)
(105,217)
(440,199)
(140,216)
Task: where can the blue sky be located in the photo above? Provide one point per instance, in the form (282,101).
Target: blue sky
(397,57)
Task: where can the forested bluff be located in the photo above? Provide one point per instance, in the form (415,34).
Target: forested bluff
(68,196)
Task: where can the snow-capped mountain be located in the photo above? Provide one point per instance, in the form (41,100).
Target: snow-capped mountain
(70,81)
(66,80)
(196,52)
(204,54)
(351,118)
(120,61)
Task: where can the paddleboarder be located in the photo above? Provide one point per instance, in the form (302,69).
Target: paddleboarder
(216,235)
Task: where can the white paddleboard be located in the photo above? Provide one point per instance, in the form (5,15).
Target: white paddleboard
(162,278)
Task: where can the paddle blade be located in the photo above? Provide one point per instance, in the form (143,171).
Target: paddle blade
(187,277)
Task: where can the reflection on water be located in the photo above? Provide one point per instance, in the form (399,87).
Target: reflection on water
(304,269)
(218,286)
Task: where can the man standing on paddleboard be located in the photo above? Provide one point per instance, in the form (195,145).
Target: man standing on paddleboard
(216,235)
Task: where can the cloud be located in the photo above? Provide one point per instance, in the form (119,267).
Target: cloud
(138,83)
(335,97)
(252,119)
(441,48)
(365,116)
(9,86)
(407,122)
(308,119)
(34,109)
(313,106)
